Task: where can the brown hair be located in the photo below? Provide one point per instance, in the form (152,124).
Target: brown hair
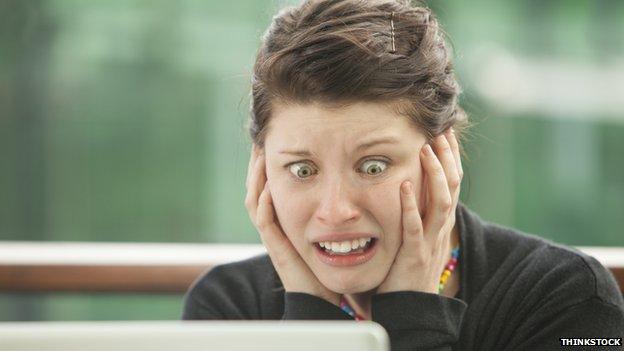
(338,52)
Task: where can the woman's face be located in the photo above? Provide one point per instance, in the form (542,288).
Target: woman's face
(339,171)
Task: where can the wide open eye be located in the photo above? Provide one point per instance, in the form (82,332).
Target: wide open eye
(374,167)
(301,170)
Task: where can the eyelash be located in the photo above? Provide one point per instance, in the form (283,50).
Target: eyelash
(301,180)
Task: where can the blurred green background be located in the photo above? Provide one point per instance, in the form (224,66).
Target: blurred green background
(124,121)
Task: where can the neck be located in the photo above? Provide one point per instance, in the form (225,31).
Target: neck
(361,302)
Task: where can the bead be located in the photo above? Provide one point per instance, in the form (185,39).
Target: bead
(449,268)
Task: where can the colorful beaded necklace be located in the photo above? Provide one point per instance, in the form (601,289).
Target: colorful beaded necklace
(448,269)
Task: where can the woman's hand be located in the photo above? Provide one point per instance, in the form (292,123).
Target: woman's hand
(421,258)
(294,273)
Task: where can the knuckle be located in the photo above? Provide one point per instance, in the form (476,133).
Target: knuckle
(445,204)
(262,224)
(410,206)
(248,203)
(455,181)
(414,232)
(281,260)
(437,170)
(420,261)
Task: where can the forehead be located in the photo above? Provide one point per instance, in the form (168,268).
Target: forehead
(297,123)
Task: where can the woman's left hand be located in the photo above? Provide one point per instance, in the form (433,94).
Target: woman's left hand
(423,253)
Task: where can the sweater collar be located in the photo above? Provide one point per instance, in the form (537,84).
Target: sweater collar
(472,254)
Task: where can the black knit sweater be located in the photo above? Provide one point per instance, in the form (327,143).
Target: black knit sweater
(517,292)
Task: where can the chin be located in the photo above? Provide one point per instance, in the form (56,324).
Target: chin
(351,286)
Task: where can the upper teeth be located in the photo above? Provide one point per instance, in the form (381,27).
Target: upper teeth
(345,246)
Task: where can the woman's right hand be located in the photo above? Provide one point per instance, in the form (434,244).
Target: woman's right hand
(294,273)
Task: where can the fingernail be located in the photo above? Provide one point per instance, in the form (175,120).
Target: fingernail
(407,187)
(427,150)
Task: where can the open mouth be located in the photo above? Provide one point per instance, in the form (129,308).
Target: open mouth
(346,256)
(334,249)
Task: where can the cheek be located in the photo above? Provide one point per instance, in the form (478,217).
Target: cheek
(290,209)
(384,205)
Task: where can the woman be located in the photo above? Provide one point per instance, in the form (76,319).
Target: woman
(353,185)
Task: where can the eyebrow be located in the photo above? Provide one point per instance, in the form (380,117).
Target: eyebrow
(363,146)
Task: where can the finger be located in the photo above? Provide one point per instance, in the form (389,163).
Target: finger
(256,185)
(275,241)
(412,224)
(449,164)
(439,199)
(445,256)
(253,156)
(452,140)
(422,204)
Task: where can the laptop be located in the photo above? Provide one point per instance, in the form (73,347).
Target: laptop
(194,336)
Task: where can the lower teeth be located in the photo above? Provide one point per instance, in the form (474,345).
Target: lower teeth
(344,253)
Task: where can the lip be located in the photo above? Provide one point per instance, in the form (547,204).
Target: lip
(338,237)
(347,260)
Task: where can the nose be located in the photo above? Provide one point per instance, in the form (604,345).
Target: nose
(336,207)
